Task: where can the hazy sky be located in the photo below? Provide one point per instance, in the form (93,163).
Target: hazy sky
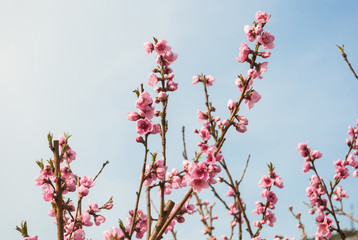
(70,66)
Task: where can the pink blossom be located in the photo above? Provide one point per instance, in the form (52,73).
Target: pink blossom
(172,86)
(265,54)
(195,79)
(244,52)
(266,40)
(144,126)
(93,206)
(133,116)
(204,134)
(87,182)
(114,233)
(262,17)
(230,192)
(161,47)
(340,193)
(209,80)
(240,128)
(83,191)
(153,79)
(252,73)
(139,139)
(243,120)
(316,154)
(251,99)
(271,197)
(198,184)
(108,206)
(162,95)
(47,192)
(86,219)
(265,182)
(148,46)
(79,234)
(99,219)
(262,69)
(252,32)
(231,104)
(306,167)
(170,57)
(200,171)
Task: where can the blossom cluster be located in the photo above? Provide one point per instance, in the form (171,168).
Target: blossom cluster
(318,193)
(267,182)
(73,219)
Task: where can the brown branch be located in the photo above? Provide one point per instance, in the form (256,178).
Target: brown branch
(104,164)
(140,186)
(161,223)
(149,215)
(169,220)
(185,155)
(58,197)
(341,49)
(243,174)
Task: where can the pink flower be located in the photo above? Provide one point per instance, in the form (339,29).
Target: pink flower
(231,104)
(172,86)
(195,79)
(87,182)
(86,219)
(252,32)
(316,154)
(209,80)
(266,40)
(148,46)
(133,116)
(139,139)
(200,115)
(251,99)
(83,191)
(240,128)
(306,167)
(252,73)
(93,206)
(262,17)
(262,69)
(47,192)
(161,47)
(265,54)
(265,182)
(204,134)
(144,126)
(153,79)
(244,51)
(198,184)
(79,234)
(99,219)
(108,206)
(170,57)
(114,233)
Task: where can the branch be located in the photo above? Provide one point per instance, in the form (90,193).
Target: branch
(341,49)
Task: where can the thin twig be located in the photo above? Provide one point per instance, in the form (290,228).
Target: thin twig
(243,174)
(185,155)
(341,49)
(104,164)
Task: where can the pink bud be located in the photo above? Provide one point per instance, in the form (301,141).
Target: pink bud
(133,116)
(139,139)
(231,104)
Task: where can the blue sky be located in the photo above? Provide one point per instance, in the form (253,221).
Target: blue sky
(70,66)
